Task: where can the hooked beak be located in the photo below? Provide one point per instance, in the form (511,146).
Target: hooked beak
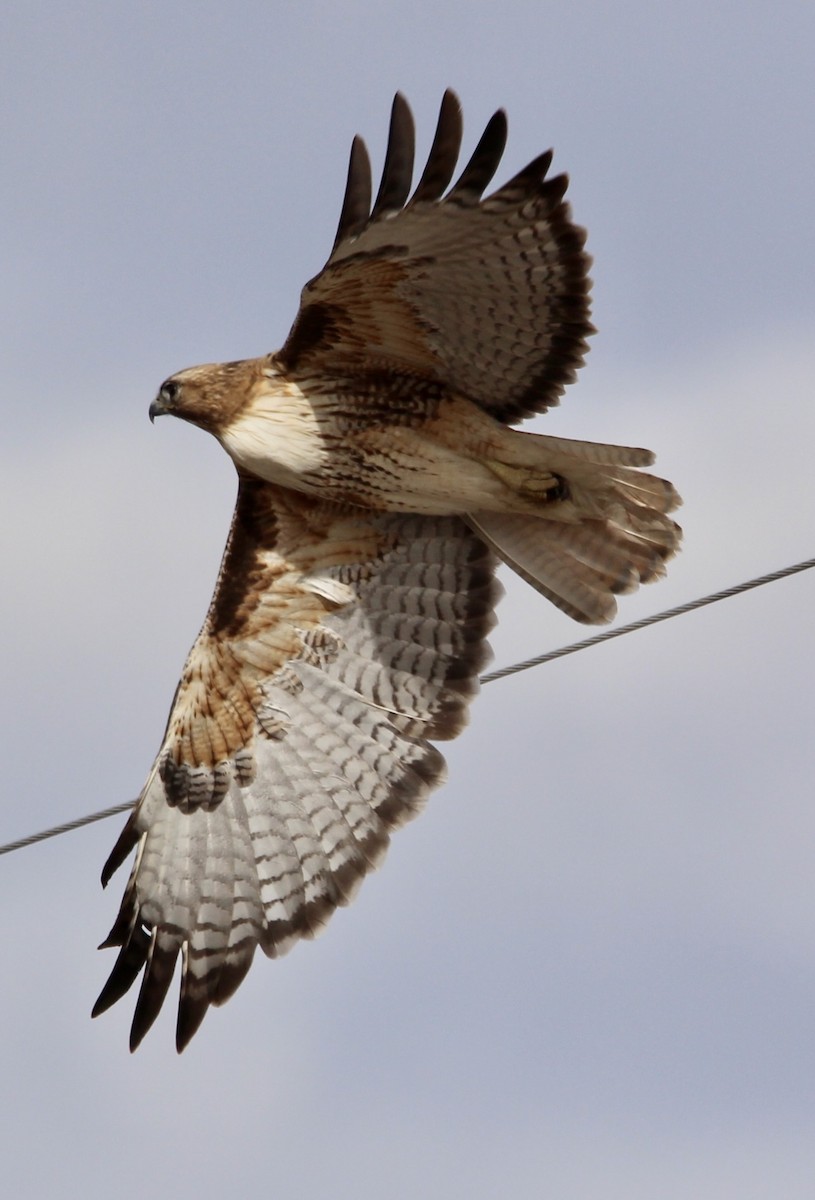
(165,400)
(157,409)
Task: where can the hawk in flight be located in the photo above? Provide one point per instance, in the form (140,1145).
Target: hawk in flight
(379,482)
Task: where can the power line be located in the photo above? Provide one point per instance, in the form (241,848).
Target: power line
(67,827)
(491,677)
(644,622)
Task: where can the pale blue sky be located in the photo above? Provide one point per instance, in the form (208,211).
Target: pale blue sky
(588,969)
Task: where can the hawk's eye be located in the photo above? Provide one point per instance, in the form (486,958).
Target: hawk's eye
(169,391)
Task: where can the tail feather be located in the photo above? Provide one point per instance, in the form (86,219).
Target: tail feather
(572,586)
(579,568)
(645,489)
(622,560)
(606,532)
(530,448)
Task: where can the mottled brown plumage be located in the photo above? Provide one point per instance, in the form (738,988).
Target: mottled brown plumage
(378,472)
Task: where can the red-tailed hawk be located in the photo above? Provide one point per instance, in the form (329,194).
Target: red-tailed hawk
(378,479)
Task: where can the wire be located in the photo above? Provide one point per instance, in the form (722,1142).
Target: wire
(67,827)
(644,622)
(502,673)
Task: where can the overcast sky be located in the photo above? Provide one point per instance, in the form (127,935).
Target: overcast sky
(589,968)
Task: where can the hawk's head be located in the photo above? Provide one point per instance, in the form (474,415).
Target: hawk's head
(210,396)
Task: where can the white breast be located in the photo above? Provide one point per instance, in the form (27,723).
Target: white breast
(277,438)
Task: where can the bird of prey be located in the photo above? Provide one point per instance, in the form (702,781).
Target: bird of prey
(379,482)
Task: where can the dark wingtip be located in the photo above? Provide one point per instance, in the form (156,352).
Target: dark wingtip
(130,961)
(190,1017)
(397,172)
(193,1004)
(444,152)
(356,203)
(128,839)
(484,160)
(155,985)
